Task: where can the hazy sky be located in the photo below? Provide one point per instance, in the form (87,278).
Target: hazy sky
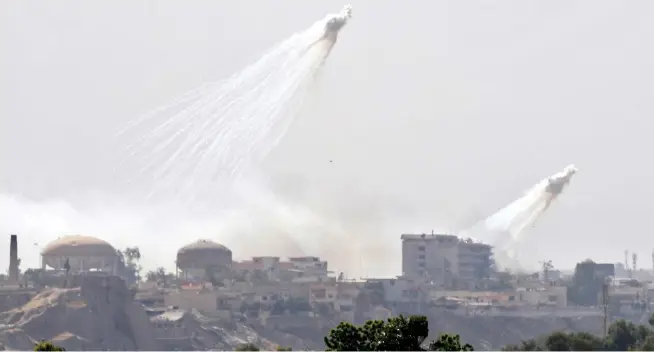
(432,111)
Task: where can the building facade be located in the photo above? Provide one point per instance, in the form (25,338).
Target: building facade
(445,260)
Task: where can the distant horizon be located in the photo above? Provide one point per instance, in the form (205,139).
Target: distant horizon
(452,111)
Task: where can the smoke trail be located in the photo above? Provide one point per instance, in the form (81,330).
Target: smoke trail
(345,225)
(213,133)
(521,213)
(505,229)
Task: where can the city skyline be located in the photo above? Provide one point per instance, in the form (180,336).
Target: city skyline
(452,110)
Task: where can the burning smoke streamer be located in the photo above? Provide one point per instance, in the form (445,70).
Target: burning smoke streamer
(504,230)
(214,132)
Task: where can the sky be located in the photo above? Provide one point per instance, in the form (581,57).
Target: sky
(434,114)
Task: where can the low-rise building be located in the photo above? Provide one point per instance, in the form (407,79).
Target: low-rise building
(202,300)
(323,293)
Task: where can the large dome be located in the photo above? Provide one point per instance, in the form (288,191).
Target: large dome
(72,246)
(203,253)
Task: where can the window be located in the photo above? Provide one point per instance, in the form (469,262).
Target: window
(421,264)
(552,298)
(421,257)
(421,248)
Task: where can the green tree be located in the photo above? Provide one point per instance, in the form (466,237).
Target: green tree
(47,346)
(132,259)
(622,336)
(213,275)
(447,342)
(396,334)
(247,347)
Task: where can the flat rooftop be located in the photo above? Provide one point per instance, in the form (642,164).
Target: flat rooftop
(426,237)
(441,237)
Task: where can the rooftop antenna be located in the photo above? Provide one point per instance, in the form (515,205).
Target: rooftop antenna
(626,263)
(634,260)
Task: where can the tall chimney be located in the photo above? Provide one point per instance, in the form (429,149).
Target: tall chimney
(13,259)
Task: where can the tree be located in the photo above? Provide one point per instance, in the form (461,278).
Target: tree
(35,276)
(247,347)
(47,346)
(622,336)
(151,276)
(547,269)
(132,259)
(159,275)
(212,275)
(447,342)
(396,334)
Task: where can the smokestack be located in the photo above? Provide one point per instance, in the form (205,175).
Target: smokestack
(13,258)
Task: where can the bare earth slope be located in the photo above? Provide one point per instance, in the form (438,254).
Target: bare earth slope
(96,313)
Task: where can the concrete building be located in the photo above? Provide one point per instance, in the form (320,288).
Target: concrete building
(474,261)
(296,269)
(555,296)
(309,267)
(202,300)
(83,253)
(194,259)
(445,260)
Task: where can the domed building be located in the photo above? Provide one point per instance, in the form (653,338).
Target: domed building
(194,259)
(83,253)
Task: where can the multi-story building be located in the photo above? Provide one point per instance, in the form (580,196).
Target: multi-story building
(474,261)
(445,259)
(297,269)
(432,257)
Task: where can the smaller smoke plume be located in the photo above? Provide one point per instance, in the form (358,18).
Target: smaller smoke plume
(505,229)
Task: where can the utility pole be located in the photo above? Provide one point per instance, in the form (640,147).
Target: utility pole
(605,306)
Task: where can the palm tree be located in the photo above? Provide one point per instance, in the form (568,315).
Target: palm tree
(547,268)
(132,256)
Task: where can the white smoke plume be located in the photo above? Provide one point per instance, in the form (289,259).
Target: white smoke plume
(205,139)
(505,230)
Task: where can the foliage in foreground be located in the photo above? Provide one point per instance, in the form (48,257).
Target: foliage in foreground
(252,347)
(410,334)
(396,334)
(47,346)
(622,336)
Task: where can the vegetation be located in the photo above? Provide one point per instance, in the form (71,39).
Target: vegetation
(621,336)
(130,257)
(396,334)
(160,276)
(47,346)
(213,275)
(410,334)
(252,347)
(247,347)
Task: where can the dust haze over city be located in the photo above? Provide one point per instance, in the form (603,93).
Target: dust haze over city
(428,117)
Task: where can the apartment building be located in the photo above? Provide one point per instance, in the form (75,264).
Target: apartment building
(445,259)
